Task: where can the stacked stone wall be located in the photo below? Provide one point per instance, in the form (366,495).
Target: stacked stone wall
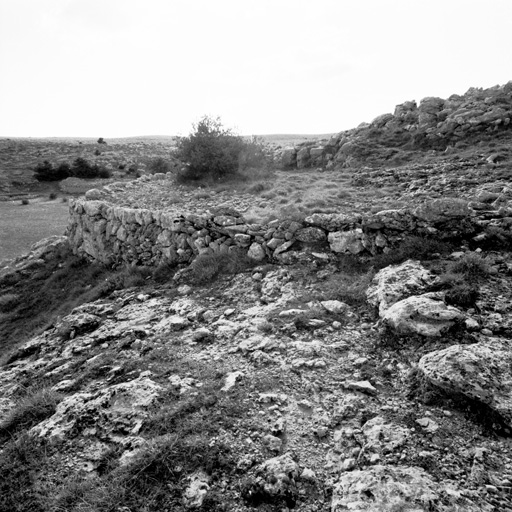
(116,235)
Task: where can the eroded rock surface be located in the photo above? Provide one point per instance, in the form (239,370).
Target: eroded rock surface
(426,315)
(397,282)
(387,488)
(480,371)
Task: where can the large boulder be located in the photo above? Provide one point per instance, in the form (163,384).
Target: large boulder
(387,488)
(397,282)
(426,315)
(480,371)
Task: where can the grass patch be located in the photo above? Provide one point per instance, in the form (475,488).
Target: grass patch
(20,462)
(471,266)
(207,267)
(415,248)
(54,291)
(29,411)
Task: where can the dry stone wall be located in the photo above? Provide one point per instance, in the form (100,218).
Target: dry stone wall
(117,235)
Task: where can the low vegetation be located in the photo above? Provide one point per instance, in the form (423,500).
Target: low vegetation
(31,409)
(80,168)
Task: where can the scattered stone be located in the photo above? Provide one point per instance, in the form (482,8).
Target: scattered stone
(428,425)
(363,386)
(197,489)
(231,379)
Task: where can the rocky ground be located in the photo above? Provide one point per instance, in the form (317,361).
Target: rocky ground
(295,398)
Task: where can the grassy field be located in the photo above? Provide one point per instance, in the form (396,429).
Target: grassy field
(23,225)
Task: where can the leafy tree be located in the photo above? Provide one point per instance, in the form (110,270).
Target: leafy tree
(209,152)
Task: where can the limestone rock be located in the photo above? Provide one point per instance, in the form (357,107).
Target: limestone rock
(93,194)
(197,489)
(442,210)
(336,306)
(289,158)
(331,221)
(347,241)
(397,282)
(386,488)
(256,252)
(120,409)
(77,323)
(384,437)
(272,480)
(421,314)
(480,371)
(310,235)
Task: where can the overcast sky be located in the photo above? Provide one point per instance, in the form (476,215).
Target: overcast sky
(115,68)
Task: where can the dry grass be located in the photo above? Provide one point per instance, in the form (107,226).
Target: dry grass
(23,225)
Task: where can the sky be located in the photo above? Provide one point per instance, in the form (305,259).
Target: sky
(119,68)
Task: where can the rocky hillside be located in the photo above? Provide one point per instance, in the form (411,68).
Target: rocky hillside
(367,368)
(448,125)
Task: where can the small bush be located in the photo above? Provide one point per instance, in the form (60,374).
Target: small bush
(8,302)
(160,166)
(52,196)
(46,172)
(164,272)
(25,201)
(463,295)
(471,265)
(81,168)
(210,152)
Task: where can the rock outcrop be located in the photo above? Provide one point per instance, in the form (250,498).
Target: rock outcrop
(480,372)
(435,123)
(387,488)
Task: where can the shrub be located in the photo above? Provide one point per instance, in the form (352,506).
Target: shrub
(46,172)
(101,140)
(211,152)
(8,302)
(25,201)
(471,265)
(462,294)
(52,196)
(83,169)
(160,165)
